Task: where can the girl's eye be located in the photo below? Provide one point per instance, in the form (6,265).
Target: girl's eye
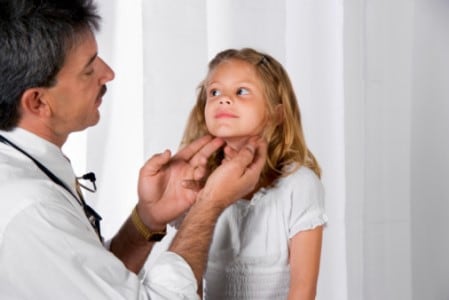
(89,72)
(242,91)
(215,93)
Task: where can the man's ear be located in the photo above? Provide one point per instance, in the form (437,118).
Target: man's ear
(33,103)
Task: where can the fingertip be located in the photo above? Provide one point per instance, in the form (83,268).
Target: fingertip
(167,152)
(206,138)
(218,141)
(199,173)
(250,148)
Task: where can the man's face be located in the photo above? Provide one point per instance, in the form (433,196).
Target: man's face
(80,85)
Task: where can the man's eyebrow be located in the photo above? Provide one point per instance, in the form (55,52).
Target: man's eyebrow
(91,60)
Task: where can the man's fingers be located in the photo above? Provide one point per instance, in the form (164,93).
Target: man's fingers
(188,151)
(156,162)
(252,157)
(229,152)
(200,172)
(201,157)
(260,156)
(246,155)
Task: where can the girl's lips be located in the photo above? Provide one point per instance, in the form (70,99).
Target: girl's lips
(224,115)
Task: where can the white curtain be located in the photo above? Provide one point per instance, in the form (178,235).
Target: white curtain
(357,68)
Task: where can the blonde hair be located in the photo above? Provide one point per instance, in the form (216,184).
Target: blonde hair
(284,134)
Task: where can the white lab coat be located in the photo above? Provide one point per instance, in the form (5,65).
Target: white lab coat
(49,250)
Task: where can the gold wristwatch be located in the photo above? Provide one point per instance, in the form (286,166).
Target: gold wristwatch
(147,234)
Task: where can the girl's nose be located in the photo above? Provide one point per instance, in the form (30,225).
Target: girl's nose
(225,100)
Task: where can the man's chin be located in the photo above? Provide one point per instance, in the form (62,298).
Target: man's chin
(93,121)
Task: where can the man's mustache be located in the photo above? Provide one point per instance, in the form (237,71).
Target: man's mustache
(102,91)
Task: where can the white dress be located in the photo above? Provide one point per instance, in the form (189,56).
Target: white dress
(249,255)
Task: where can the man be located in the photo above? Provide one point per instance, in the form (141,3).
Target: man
(51,84)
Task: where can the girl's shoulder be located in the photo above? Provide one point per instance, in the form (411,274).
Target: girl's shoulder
(299,185)
(301,199)
(298,175)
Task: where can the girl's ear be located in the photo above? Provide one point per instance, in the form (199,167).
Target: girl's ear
(279,114)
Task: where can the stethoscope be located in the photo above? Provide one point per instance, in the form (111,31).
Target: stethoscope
(93,217)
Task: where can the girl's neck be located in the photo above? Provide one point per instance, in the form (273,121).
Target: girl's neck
(236,143)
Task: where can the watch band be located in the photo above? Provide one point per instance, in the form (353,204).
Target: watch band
(147,234)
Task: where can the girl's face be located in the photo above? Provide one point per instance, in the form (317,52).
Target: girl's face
(235,104)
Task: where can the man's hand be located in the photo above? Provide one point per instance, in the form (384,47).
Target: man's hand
(232,180)
(236,176)
(165,183)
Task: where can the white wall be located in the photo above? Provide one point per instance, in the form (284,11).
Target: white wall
(397,158)
(354,120)
(378,86)
(314,49)
(389,26)
(175,60)
(430,151)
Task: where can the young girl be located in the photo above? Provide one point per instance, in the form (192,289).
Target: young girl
(267,245)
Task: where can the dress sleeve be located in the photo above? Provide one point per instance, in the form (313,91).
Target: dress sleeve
(306,202)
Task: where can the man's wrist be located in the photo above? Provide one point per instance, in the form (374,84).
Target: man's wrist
(144,231)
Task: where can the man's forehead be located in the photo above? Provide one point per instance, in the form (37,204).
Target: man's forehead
(82,51)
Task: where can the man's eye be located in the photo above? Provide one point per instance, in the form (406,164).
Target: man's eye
(215,93)
(242,91)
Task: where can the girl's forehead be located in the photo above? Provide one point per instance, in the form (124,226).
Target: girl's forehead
(232,67)
(233,63)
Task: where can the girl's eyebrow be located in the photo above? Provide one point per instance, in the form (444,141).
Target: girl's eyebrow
(248,83)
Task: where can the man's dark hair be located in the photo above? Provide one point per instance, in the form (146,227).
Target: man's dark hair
(35,37)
